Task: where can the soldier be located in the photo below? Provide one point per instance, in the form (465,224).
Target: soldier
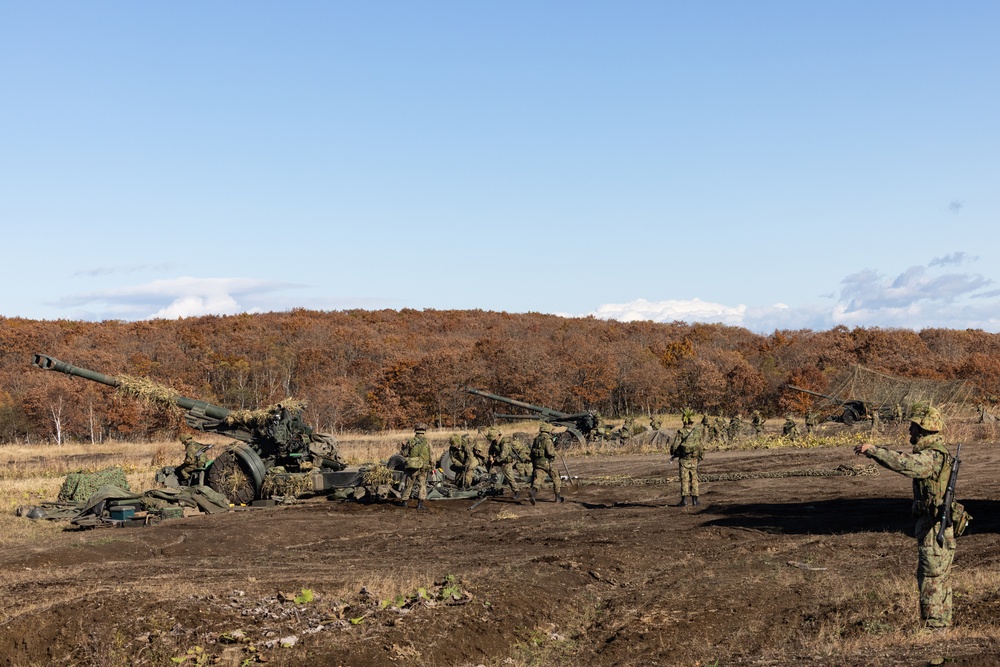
(522,457)
(194,457)
(810,421)
(897,414)
(655,422)
(758,423)
(627,430)
(718,430)
(706,428)
(790,429)
(930,468)
(502,455)
(875,421)
(735,426)
(687,448)
(417,456)
(543,453)
(463,459)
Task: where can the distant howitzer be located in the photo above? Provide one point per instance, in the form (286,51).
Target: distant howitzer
(852,411)
(579,424)
(275,437)
(949,497)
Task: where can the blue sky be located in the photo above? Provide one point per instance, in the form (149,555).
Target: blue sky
(764,164)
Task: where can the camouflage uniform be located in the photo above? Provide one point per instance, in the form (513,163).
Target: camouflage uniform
(688,449)
(758,422)
(502,455)
(417,455)
(655,422)
(193,458)
(810,421)
(790,429)
(543,453)
(930,468)
(522,457)
(735,426)
(463,459)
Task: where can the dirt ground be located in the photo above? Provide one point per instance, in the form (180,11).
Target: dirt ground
(781,571)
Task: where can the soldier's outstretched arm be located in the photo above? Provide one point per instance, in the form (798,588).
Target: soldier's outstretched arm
(916,466)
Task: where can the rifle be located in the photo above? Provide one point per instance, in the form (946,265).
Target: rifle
(949,497)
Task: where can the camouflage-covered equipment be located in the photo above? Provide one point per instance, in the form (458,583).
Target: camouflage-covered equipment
(273,437)
(579,425)
(847,412)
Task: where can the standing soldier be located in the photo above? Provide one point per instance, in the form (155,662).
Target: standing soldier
(810,421)
(758,423)
(790,430)
(897,414)
(706,428)
(875,421)
(502,455)
(543,453)
(930,468)
(735,426)
(687,448)
(417,459)
(718,428)
(655,422)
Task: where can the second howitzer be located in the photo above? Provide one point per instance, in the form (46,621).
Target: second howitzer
(276,436)
(947,506)
(578,424)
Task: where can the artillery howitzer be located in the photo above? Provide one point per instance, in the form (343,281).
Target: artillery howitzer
(277,436)
(578,425)
(850,411)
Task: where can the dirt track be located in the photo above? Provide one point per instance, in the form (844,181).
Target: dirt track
(614,576)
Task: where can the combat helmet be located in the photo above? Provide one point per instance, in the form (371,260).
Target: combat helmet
(545,427)
(687,416)
(927,418)
(420,428)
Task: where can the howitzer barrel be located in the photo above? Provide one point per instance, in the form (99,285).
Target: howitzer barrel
(814,393)
(45,362)
(521,404)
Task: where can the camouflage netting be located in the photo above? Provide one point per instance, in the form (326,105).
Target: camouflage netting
(839,471)
(259,418)
(81,485)
(377,475)
(953,399)
(146,390)
(284,484)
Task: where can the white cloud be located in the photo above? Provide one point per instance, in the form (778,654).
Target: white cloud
(917,298)
(178,297)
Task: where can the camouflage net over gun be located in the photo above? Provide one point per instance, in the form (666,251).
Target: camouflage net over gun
(254,419)
(147,391)
(377,475)
(839,471)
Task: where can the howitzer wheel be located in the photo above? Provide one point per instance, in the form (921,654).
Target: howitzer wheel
(231,476)
(568,438)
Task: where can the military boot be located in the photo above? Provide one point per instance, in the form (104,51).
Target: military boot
(683,502)
(694,500)
(403,503)
(420,505)
(559,498)
(517,495)
(531,496)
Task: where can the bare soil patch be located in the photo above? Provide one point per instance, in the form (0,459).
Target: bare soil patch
(787,571)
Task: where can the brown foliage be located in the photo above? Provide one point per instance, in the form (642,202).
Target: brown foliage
(387,369)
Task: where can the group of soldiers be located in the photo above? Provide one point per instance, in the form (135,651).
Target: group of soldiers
(503,454)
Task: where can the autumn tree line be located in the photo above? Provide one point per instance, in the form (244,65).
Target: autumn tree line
(373,370)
